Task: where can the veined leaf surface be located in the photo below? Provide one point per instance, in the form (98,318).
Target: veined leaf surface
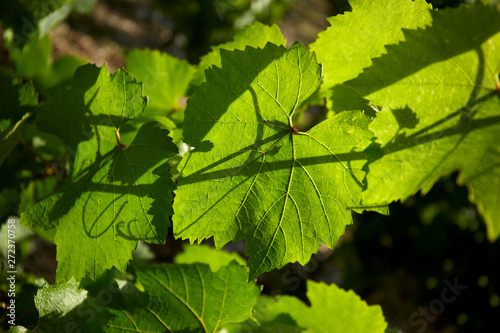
(439,92)
(252,175)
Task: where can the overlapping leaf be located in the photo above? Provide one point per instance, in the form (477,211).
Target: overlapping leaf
(439,91)
(207,255)
(185,298)
(332,310)
(165,78)
(356,37)
(252,175)
(114,195)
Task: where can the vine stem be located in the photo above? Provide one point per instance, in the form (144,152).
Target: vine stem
(34,152)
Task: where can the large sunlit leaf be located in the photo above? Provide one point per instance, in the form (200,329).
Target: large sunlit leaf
(252,175)
(439,93)
(185,298)
(114,195)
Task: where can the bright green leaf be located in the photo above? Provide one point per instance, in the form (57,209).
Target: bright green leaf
(332,310)
(114,195)
(33,59)
(439,93)
(185,298)
(356,37)
(252,176)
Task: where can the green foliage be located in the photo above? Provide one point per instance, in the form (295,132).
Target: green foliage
(17,101)
(412,94)
(28,20)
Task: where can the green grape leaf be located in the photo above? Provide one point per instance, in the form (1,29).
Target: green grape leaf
(354,38)
(62,308)
(185,298)
(252,175)
(165,79)
(439,92)
(207,255)
(256,35)
(114,195)
(332,310)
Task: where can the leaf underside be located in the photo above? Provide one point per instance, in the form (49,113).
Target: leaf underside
(185,298)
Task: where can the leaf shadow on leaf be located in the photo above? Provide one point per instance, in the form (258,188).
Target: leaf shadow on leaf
(445,38)
(462,122)
(282,132)
(229,93)
(108,174)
